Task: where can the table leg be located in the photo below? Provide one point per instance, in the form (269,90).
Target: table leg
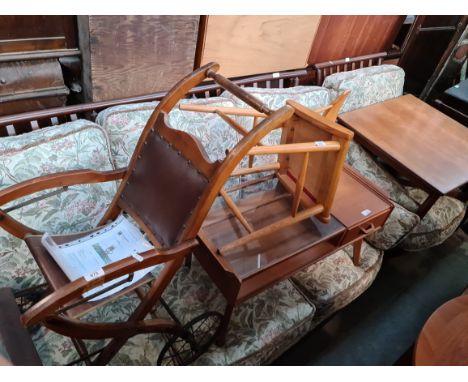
(357,252)
(221,340)
(428,203)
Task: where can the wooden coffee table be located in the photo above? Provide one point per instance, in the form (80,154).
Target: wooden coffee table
(417,140)
(443,340)
(359,209)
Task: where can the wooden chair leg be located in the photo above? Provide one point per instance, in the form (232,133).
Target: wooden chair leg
(188,261)
(357,252)
(221,340)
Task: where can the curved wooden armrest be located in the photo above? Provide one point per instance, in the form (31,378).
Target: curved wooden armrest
(48,306)
(291,148)
(61,179)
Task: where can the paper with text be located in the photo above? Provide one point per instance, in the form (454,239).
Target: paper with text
(86,256)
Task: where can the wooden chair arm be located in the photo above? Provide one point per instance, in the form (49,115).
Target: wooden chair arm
(61,179)
(59,298)
(14,227)
(292,148)
(240,93)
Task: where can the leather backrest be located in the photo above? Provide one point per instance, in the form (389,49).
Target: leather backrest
(166,184)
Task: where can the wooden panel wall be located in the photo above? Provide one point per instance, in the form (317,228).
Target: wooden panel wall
(246,45)
(347,36)
(133,55)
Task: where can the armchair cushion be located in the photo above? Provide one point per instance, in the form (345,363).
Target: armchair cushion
(125,123)
(364,163)
(335,281)
(76,145)
(398,226)
(261,328)
(404,227)
(368,85)
(311,96)
(437,225)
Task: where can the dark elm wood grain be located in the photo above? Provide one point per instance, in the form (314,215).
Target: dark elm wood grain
(38,27)
(31,85)
(443,340)
(348,36)
(132,55)
(416,138)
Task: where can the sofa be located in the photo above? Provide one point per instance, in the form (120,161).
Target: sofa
(261,328)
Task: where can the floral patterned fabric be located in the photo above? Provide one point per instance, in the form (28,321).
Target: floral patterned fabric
(403,226)
(310,96)
(437,225)
(125,123)
(399,225)
(261,328)
(335,281)
(401,221)
(368,85)
(365,164)
(76,145)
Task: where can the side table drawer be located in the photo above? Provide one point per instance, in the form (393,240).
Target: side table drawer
(365,228)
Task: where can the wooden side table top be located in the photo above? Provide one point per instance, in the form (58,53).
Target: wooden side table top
(443,340)
(416,139)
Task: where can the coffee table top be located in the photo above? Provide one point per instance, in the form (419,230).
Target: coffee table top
(444,337)
(416,138)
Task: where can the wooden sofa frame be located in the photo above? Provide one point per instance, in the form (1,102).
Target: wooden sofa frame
(312,75)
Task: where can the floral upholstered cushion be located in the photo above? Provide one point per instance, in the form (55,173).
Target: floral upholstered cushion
(364,163)
(261,328)
(335,281)
(399,225)
(310,96)
(214,134)
(125,123)
(368,85)
(76,145)
(404,226)
(437,225)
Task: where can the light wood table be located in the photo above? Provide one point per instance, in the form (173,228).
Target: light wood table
(443,340)
(418,141)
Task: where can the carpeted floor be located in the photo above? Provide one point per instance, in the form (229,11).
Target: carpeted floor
(382,324)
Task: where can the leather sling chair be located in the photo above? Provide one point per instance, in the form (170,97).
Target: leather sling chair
(167,189)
